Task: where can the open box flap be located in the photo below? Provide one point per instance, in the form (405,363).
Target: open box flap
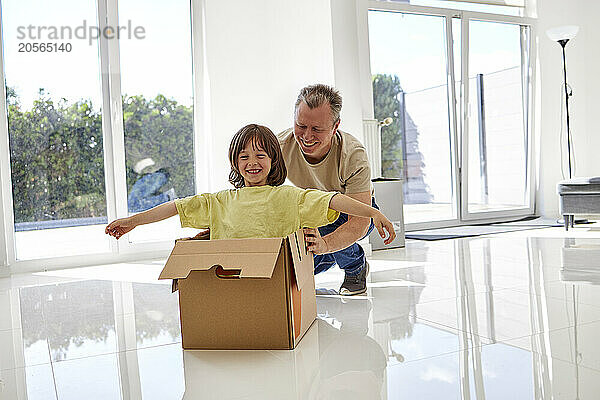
(303,260)
(255,258)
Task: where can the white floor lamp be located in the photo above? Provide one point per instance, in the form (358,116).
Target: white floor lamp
(562,35)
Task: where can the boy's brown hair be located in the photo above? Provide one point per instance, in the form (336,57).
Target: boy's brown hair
(264,138)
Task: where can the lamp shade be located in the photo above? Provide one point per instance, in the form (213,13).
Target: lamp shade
(565,32)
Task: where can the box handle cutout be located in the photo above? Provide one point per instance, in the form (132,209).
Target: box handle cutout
(227,273)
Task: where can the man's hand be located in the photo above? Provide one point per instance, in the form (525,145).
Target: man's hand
(350,231)
(314,242)
(382,224)
(202,235)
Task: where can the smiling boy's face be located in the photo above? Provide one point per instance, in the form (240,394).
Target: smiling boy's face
(254,164)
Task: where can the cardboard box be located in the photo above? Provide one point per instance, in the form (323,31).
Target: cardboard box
(243,293)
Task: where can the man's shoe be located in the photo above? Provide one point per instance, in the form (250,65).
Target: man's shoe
(356,284)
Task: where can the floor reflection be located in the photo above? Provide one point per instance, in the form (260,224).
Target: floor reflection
(70,316)
(351,363)
(156,315)
(580,261)
(479,318)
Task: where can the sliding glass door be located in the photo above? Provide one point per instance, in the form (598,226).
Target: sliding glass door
(54,110)
(410,84)
(457,86)
(497,141)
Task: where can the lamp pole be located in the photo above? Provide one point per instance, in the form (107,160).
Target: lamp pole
(563,43)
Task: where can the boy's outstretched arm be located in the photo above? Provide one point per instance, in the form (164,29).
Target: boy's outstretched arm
(348,205)
(121,226)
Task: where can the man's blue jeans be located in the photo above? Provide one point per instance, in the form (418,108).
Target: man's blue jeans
(351,259)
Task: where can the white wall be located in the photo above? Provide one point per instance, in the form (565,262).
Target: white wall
(258,56)
(351,63)
(583,62)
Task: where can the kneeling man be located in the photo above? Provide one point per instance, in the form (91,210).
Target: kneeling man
(319,156)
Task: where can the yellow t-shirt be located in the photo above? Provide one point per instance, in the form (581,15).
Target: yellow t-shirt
(259,211)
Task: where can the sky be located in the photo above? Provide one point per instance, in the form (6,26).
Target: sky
(413,47)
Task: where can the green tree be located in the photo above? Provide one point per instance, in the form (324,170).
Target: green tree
(162,130)
(67,315)
(401,136)
(386,89)
(57,158)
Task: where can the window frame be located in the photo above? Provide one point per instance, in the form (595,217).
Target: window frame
(7,241)
(460,140)
(114,153)
(529,209)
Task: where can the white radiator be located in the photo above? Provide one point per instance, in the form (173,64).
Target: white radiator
(373,145)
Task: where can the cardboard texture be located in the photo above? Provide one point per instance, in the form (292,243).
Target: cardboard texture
(243,293)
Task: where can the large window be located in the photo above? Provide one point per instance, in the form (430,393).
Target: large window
(460,137)
(408,64)
(54,102)
(69,104)
(157,111)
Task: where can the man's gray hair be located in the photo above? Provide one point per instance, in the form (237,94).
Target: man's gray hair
(316,95)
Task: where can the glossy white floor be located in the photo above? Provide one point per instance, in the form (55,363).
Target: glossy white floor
(510,316)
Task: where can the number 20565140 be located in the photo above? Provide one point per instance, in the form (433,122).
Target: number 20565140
(34,47)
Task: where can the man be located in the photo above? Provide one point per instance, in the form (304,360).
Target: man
(320,156)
